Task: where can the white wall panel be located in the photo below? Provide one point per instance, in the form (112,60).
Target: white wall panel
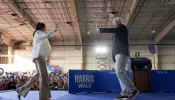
(169,66)
(71,58)
(67,56)
(90,55)
(92,61)
(167,58)
(167,54)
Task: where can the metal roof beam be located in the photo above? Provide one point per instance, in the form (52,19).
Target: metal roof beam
(5,39)
(165,27)
(165,31)
(131,11)
(19,9)
(73,5)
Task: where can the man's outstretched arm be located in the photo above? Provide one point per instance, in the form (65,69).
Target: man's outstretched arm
(106,30)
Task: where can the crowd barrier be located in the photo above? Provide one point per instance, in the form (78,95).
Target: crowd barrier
(106,81)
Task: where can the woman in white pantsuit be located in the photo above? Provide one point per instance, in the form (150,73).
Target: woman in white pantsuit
(41,51)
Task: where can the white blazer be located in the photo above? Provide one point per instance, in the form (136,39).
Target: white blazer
(41,45)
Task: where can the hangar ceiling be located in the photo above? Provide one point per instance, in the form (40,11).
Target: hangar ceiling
(145,19)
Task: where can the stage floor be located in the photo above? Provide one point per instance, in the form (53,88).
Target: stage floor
(64,95)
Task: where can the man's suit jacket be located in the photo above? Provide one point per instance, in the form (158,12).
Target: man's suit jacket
(120,40)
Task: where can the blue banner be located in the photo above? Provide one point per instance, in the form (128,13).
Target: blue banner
(93,81)
(83,81)
(108,82)
(162,80)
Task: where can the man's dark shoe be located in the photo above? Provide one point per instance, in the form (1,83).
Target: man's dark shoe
(120,97)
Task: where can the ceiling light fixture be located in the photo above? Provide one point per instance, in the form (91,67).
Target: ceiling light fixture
(47,1)
(101,50)
(14,14)
(69,23)
(114,12)
(22,24)
(21,2)
(153,29)
(90,21)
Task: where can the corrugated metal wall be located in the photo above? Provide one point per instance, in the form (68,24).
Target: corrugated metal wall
(3,54)
(71,58)
(167,55)
(66,56)
(91,61)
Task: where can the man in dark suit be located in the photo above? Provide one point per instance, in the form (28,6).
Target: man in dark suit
(120,55)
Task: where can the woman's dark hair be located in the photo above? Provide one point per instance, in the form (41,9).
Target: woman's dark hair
(39,26)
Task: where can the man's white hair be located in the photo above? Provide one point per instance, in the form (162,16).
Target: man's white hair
(117,19)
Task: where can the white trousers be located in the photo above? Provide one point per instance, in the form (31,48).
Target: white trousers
(42,76)
(125,83)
